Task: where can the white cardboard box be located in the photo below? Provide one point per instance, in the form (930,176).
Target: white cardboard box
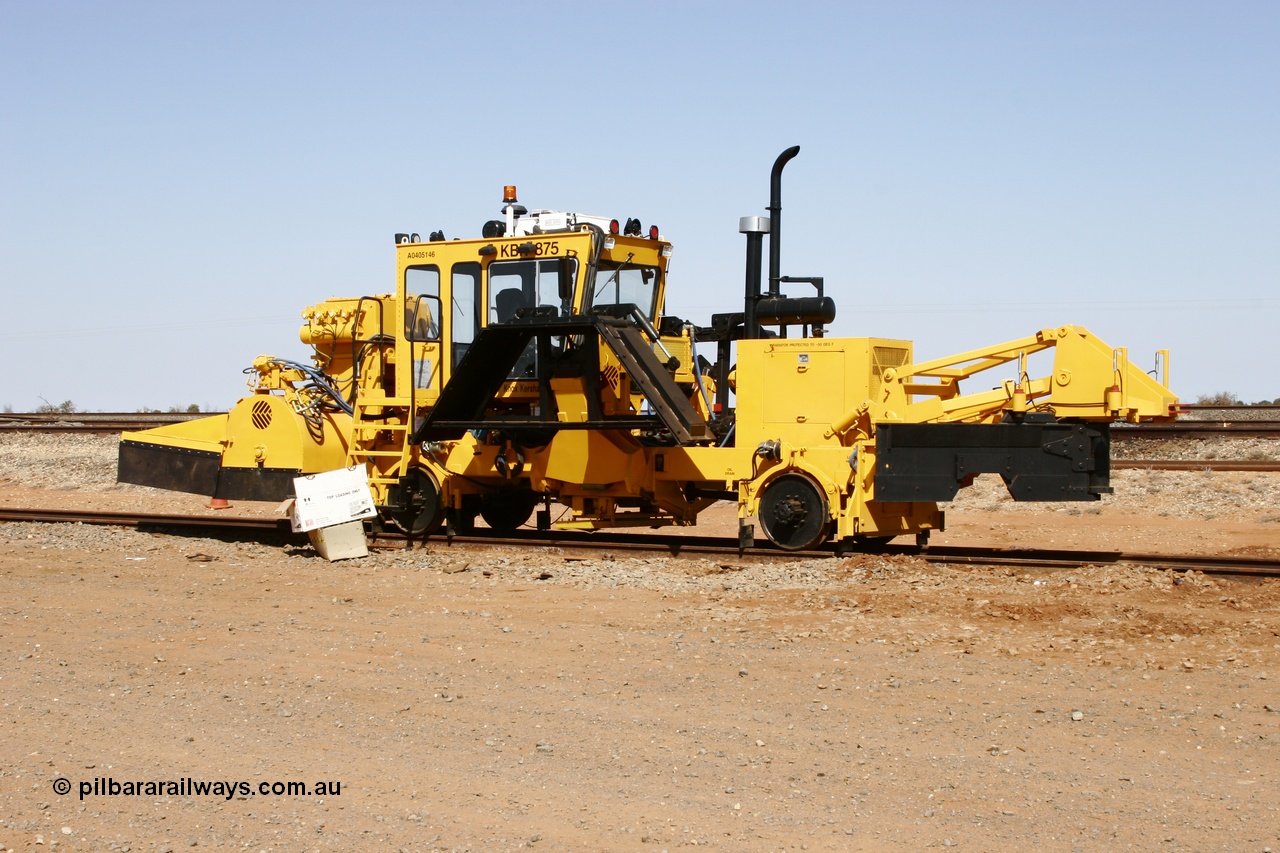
(334,497)
(340,541)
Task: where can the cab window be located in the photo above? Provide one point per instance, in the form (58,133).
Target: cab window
(422,303)
(516,285)
(618,283)
(464,316)
(525,285)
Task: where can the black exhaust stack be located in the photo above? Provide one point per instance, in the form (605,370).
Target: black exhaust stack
(775,218)
(755,227)
(772,308)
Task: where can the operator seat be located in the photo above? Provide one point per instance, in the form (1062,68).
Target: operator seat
(508,302)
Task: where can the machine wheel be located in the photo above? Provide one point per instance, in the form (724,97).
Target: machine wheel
(793,513)
(505,511)
(418,510)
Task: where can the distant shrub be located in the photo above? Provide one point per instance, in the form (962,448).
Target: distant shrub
(1222,398)
(66,407)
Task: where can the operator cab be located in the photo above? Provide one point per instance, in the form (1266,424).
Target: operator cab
(527,266)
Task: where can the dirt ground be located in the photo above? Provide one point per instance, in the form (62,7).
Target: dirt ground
(491,699)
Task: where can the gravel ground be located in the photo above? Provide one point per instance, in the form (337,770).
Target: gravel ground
(1201,495)
(1241,449)
(1254,414)
(483,699)
(59,460)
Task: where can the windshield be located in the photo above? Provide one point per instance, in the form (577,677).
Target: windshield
(516,285)
(524,286)
(618,283)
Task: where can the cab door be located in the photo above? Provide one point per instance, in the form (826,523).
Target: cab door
(423,311)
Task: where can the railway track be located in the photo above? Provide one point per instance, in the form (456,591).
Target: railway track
(1198,429)
(679,545)
(1203,409)
(116,422)
(1197,465)
(1243,426)
(93,422)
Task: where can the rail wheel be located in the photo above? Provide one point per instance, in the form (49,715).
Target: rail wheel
(417,507)
(793,513)
(505,511)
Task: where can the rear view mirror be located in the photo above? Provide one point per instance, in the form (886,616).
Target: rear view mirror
(567,267)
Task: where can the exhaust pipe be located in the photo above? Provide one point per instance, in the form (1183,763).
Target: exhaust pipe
(755,227)
(775,218)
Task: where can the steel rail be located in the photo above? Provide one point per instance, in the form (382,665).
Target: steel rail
(1198,429)
(98,422)
(173,417)
(1256,466)
(1063,559)
(1243,407)
(1154,432)
(103,428)
(710,546)
(147,417)
(133,519)
(111,422)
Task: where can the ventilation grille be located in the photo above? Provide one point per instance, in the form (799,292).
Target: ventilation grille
(882,358)
(261,414)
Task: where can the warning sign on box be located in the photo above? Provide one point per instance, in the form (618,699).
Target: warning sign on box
(334,497)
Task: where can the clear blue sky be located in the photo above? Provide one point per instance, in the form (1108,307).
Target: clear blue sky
(179,180)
